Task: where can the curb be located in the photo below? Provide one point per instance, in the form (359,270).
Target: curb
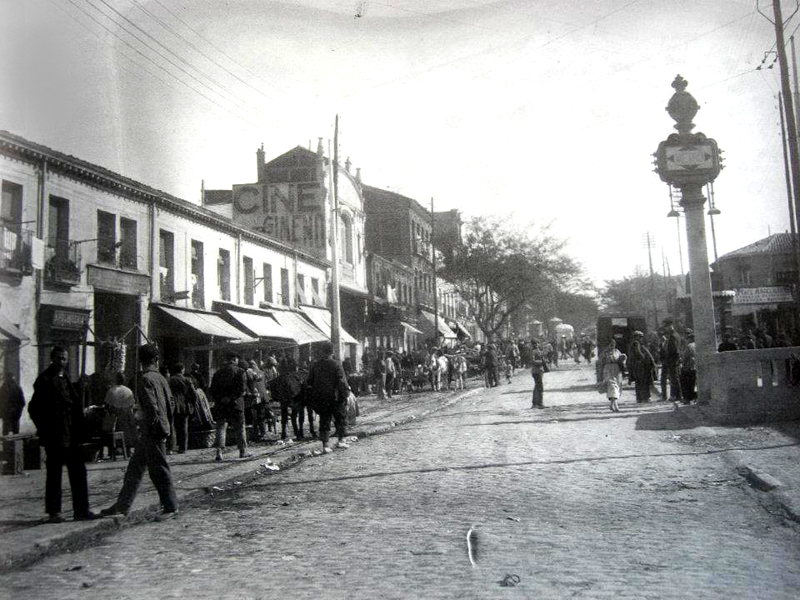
(761,480)
(95,530)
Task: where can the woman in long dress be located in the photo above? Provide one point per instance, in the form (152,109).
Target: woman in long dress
(612,367)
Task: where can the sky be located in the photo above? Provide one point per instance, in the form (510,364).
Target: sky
(545,111)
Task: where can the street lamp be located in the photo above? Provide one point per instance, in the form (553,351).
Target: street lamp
(690,161)
(677,215)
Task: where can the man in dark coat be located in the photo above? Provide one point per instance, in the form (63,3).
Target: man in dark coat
(672,361)
(56,410)
(328,390)
(12,401)
(228,387)
(184,399)
(153,399)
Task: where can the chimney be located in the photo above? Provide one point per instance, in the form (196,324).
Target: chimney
(358,174)
(202,192)
(347,164)
(320,149)
(260,163)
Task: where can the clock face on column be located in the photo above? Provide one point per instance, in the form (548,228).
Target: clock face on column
(247,199)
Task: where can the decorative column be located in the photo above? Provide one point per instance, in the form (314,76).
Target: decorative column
(689,161)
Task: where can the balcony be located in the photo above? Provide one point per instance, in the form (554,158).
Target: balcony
(15,256)
(108,256)
(62,262)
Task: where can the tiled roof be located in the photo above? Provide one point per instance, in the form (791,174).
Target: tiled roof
(778,243)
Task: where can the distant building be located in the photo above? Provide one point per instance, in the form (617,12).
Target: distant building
(763,276)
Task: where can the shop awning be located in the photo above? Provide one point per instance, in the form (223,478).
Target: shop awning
(205,323)
(444,330)
(299,327)
(460,329)
(410,328)
(321,317)
(10,332)
(263,326)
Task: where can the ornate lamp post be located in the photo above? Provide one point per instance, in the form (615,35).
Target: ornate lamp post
(689,161)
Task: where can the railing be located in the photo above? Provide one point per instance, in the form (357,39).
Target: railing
(15,256)
(125,259)
(755,385)
(62,262)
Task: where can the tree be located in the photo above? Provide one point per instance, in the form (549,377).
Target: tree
(501,268)
(634,296)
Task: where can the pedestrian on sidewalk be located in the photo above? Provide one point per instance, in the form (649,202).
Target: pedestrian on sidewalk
(153,399)
(56,410)
(538,369)
(642,367)
(327,391)
(391,373)
(672,361)
(227,390)
(12,401)
(184,400)
(612,368)
(459,368)
(689,369)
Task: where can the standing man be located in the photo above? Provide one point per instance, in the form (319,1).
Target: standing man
(56,410)
(153,398)
(689,369)
(228,387)
(538,366)
(184,400)
(672,362)
(328,390)
(12,401)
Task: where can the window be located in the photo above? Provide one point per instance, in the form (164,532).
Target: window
(127,244)
(785,277)
(249,279)
(224,274)
(267,282)
(11,208)
(166,265)
(198,299)
(58,225)
(346,239)
(315,299)
(106,238)
(744,275)
(301,289)
(285,299)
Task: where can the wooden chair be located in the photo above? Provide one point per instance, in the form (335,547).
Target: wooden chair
(111,438)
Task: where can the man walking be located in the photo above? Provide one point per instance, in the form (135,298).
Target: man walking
(228,387)
(184,400)
(672,361)
(327,389)
(538,366)
(12,401)
(56,410)
(153,398)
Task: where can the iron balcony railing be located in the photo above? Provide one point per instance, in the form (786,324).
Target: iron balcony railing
(62,262)
(16,253)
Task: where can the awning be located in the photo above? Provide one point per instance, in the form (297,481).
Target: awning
(444,330)
(460,329)
(205,323)
(263,326)
(10,332)
(298,327)
(321,317)
(410,328)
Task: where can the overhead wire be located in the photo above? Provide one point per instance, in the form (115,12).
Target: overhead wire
(196,49)
(233,99)
(167,71)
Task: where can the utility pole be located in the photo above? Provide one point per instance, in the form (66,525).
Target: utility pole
(435,289)
(789,110)
(649,242)
(795,242)
(336,315)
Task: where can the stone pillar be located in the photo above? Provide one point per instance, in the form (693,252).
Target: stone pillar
(705,335)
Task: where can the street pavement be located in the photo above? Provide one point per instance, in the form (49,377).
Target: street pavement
(485,498)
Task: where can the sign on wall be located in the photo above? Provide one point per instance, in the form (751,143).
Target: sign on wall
(763,295)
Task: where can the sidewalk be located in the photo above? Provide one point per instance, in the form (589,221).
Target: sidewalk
(26,536)
(766,454)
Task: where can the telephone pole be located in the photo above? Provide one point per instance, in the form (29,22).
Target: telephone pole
(650,242)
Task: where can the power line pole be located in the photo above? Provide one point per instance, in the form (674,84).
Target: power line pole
(435,290)
(791,122)
(649,242)
(336,314)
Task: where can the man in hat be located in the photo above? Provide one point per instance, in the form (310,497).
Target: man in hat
(152,411)
(641,367)
(228,387)
(672,361)
(689,369)
(327,391)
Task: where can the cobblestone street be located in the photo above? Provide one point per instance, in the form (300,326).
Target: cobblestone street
(568,502)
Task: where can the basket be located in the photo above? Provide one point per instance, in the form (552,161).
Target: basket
(201,439)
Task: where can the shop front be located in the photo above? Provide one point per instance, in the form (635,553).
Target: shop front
(770,308)
(66,327)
